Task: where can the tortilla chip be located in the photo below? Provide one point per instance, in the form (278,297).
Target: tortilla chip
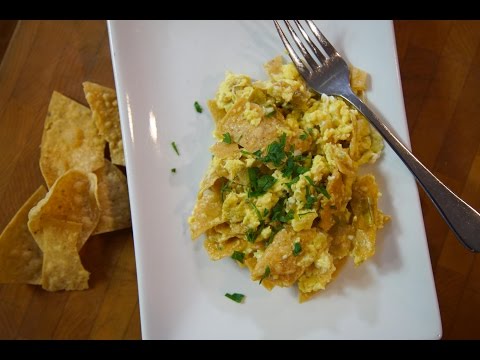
(73,197)
(250,135)
(225,151)
(103,102)
(367,217)
(216,112)
(217,251)
(20,256)
(70,139)
(112,195)
(207,212)
(62,268)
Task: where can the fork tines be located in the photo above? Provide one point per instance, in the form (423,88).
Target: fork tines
(313,58)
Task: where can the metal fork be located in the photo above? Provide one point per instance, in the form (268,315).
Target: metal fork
(329,74)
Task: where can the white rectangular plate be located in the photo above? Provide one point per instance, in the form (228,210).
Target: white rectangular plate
(160,69)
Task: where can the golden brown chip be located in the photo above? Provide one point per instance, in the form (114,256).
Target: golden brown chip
(367,217)
(20,256)
(62,268)
(225,151)
(112,194)
(103,102)
(285,268)
(70,139)
(216,112)
(250,134)
(207,212)
(72,198)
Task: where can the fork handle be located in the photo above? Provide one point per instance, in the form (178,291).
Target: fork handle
(462,219)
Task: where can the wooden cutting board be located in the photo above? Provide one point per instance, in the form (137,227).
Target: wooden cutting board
(44,56)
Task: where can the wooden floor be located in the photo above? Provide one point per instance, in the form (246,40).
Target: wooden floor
(440,69)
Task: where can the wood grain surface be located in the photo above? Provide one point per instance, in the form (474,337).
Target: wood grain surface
(440,69)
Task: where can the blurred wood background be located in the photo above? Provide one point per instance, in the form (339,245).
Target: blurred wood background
(440,70)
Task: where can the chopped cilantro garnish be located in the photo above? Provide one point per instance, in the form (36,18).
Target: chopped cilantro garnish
(320,188)
(290,183)
(254,207)
(173,170)
(310,181)
(174,146)
(303,136)
(305,213)
(225,187)
(227,138)
(197,107)
(265,212)
(292,167)
(279,212)
(235,297)
(309,199)
(266,274)
(276,151)
(259,185)
(297,249)
(238,255)
(252,234)
(323,191)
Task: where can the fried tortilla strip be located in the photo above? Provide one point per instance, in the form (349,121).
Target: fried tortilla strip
(104,105)
(285,268)
(72,198)
(20,257)
(112,196)
(217,250)
(222,150)
(207,212)
(367,217)
(247,132)
(70,139)
(62,268)
(216,112)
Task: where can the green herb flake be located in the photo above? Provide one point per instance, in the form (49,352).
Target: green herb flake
(175,148)
(309,199)
(251,235)
(259,184)
(297,249)
(227,138)
(276,151)
(279,212)
(324,191)
(254,207)
(197,107)
(320,188)
(235,297)
(239,256)
(303,136)
(173,170)
(266,274)
(225,188)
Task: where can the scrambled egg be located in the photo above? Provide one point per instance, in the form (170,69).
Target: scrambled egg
(282,195)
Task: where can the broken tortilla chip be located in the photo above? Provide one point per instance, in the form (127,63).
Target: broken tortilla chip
(207,212)
(20,256)
(72,198)
(70,139)
(103,102)
(112,194)
(62,268)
